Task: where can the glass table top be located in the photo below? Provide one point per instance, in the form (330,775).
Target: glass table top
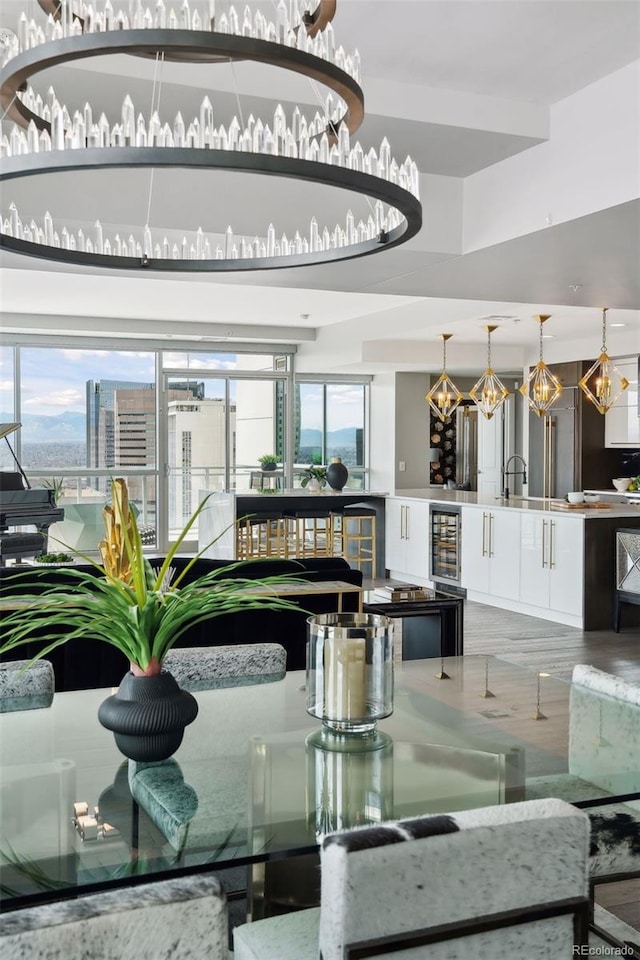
(246,786)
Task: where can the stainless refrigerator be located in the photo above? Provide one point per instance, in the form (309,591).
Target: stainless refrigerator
(467,447)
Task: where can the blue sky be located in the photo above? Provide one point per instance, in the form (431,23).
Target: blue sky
(53,381)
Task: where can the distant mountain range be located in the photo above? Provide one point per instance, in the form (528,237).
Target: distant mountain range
(72,426)
(44,429)
(344,437)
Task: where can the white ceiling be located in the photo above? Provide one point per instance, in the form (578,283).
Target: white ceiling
(432,74)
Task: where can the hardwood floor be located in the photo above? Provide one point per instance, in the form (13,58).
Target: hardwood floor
(552,647)
(555,648)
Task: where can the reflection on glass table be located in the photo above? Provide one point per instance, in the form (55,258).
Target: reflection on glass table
(254,793)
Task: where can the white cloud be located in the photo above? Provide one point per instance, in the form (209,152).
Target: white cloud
(67,399)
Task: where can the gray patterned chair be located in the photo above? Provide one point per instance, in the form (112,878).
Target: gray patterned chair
(171,920)
(495,883)
(22,689)
(604,752)
(237,665)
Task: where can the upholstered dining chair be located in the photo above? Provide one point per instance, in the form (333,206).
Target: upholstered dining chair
(603,760)
(170,920)
(604,747)
(237,665)
(26,688)
(498,882)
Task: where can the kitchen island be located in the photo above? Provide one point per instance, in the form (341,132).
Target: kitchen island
(530,555)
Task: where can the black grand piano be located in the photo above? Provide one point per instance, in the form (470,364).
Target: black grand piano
(20,506)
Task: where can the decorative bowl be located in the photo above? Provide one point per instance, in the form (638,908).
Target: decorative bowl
(621,483)
(576,497)
(591,498)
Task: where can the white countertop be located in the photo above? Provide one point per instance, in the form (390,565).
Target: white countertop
(327,492)
(615,510)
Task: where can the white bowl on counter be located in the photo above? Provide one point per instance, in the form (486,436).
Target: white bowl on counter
(591,498)
(576,497)
(621,484)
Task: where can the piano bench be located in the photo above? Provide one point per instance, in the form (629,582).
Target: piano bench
(21,545)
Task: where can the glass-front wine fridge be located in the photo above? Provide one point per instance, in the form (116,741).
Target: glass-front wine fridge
(445,543)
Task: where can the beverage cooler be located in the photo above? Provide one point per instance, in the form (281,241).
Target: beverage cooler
(445,544)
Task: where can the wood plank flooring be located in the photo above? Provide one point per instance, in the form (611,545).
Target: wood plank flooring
(545,645)
(555,648)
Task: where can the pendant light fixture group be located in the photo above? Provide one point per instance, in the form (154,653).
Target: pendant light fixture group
(603,383)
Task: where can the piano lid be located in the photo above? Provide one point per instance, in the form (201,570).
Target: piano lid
(7,428)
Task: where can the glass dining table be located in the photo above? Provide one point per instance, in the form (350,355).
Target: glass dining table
(249,787)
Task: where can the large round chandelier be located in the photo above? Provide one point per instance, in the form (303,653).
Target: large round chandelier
(47,137)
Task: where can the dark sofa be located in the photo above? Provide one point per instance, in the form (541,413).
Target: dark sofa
(81,665)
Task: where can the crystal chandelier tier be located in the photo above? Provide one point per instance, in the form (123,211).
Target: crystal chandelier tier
(444,396)
(541,388)
(489,393)
(47,137)
(603,383)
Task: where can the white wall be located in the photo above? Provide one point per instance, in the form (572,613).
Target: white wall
(591,162)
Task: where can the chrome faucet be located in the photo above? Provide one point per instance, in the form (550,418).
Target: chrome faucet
(513,473)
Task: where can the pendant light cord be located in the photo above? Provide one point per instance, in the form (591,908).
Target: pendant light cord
(604,329)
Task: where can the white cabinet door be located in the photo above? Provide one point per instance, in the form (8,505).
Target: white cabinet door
(490,555)
(566,565)
(534,570)
(407,537)
(622,424)
(552,562)
(475,549)
(504,555)
(394,541)
(417,539)
(490,455)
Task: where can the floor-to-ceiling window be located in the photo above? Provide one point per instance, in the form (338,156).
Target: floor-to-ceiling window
(331,422)
(172,422)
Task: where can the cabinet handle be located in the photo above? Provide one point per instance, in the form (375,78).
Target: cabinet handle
(402,509)
(484,535)
(408,517)
(552,546)
(544,546)
(490,534)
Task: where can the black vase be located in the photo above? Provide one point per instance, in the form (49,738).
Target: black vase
(337,474)
(148,716)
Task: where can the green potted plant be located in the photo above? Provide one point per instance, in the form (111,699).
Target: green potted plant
(140,611)
(313,476)
(268,461)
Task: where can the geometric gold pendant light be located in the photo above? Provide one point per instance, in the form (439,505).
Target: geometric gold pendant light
(489,392)
(541,388)
(603,383)
(444,396)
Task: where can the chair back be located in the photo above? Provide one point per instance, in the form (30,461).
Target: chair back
(181,918)
(237,665)
(604,723)
(511,880)
(24,687)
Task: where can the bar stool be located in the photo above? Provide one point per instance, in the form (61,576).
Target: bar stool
(309,532)
(261,535)
(353,537)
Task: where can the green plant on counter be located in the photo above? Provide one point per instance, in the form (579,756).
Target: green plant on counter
(53,558)
(313,473)
(268,460)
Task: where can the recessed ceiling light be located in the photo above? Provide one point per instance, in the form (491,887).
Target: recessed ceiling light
(547,336)
(617,324)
